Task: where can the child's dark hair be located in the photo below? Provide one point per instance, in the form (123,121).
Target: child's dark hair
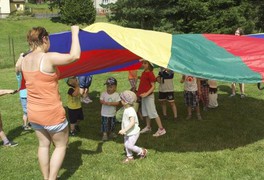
(68,81)
(150,66)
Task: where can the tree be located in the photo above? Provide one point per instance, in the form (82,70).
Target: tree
(134,13)
(189,16)
(75,11)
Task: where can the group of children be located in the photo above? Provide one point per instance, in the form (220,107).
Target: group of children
(195,90)
(110,99)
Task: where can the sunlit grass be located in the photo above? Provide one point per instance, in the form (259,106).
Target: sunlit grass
(227,144)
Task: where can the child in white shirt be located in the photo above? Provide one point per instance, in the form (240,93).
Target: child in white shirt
(191,95)
(212,94)
(130,126)
(109,100)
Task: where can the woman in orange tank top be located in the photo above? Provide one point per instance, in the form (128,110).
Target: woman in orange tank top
(45,110)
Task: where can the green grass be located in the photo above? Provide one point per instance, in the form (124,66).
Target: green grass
(41,8)
(227,144)
(14,32)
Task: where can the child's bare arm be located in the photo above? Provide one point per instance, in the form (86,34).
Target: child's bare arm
(112,103)
(199,85)
(182,79)
(7,91)
(76,91)
(145,94)
(131,124)
(18,64)
(102,102)
(109,103)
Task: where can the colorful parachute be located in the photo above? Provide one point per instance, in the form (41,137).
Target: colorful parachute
(106,47)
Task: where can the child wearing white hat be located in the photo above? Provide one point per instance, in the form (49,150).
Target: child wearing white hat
(130,127)
(213,103)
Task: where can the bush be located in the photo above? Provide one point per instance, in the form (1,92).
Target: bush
(78,12)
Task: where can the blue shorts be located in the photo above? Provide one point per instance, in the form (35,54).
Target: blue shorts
(85,81)
(24,105)
(52,129)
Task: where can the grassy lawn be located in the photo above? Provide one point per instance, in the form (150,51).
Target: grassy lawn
(227,144)
(14,32)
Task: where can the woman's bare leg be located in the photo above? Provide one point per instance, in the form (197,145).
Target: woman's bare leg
(43,151)
(60,141)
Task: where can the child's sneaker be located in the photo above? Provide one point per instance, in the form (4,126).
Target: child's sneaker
(89,100)
(143,153)
(26,128)
(188,117)
(104,138)
(128,159)
(232,95)
(145,130)
(159,132)
(77,128)
(11,144)
(86,100)
(242,96)
(199,117)
(165,117)
(113,135)
(72,133)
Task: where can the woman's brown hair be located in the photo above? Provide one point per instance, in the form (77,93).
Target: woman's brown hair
(150,66)
(35,36)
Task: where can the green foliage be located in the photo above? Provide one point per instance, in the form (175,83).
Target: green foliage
(77,12)
(189,16)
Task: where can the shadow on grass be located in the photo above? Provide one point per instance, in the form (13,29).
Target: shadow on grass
(73,159)
(235,123)
(56,19)
(18,131)
(225,88)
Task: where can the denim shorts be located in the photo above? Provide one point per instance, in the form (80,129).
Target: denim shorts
(53,129)
(85,81)
(24,105)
